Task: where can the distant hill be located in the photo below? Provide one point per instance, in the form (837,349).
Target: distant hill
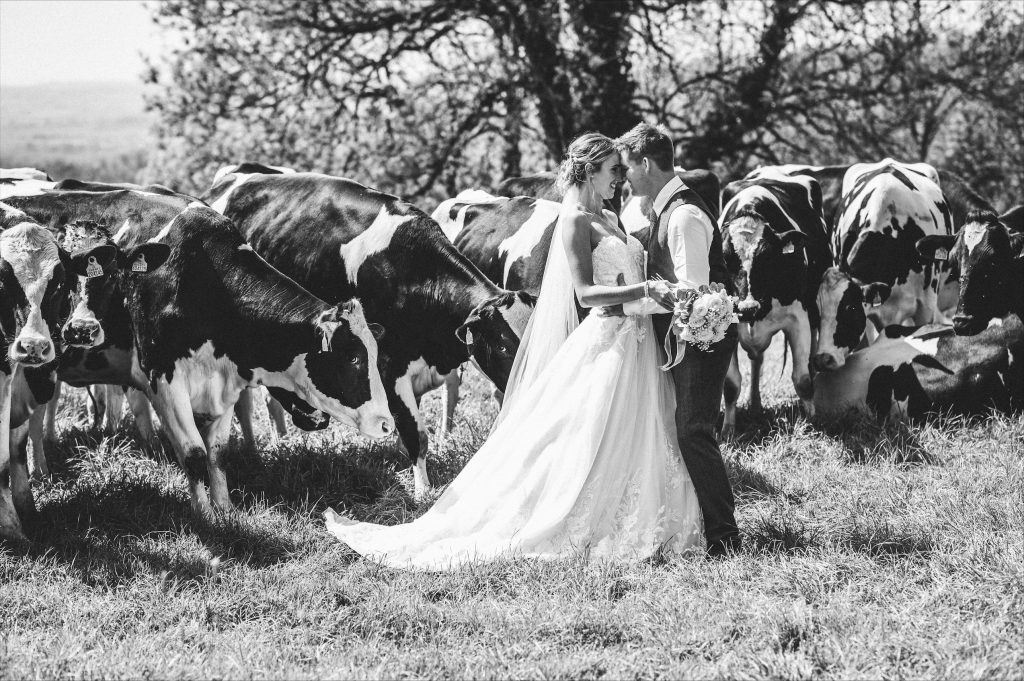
(95,131)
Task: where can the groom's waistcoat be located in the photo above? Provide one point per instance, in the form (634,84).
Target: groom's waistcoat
(659,257)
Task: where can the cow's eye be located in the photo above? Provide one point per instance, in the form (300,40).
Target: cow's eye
(355,359)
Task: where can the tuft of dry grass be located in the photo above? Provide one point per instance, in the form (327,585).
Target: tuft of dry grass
(871,550)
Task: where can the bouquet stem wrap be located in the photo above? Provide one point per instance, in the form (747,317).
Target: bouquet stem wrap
(700,318)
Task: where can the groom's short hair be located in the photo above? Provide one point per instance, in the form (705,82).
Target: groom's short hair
(646,140)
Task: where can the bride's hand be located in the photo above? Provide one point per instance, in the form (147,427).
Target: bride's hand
(662,293)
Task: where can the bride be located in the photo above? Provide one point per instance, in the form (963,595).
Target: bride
(583,455)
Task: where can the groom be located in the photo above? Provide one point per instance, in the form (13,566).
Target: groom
(685,247)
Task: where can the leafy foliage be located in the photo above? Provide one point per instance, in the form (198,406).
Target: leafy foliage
(429,97)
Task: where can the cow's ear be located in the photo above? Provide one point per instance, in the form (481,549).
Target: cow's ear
(95,261)
(876,293)
(792,240)
(146,257)
(935,246)
(376,329)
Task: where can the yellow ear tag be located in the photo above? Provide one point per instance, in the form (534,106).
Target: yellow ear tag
(325,342)
(941,254)
(788,248)
(93,269)
(140,264)
(469,337)
(877,300)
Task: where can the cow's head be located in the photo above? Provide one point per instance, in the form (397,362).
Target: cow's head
(763,265)
(841,303)
(98,296)
(988,262)
(339,377)
(492,331)
(32,288)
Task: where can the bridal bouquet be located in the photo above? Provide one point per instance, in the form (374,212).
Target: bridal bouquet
(700,319)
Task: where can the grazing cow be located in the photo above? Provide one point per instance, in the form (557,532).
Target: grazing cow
(776,249)
(340,238)
(32,287)
(886,208)
(988,263)
(909,372)
(829,178)
(215,319)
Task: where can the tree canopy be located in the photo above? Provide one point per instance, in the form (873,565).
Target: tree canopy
(428,97)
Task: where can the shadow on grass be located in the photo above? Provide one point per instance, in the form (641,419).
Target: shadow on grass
(866,439)
(307,477)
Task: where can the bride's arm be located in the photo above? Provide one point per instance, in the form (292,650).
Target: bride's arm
(576,237)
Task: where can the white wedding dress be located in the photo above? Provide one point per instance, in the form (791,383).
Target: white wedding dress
(585,461)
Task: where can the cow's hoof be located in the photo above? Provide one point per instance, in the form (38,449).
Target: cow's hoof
(728,433)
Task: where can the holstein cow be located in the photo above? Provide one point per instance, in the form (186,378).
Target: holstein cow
(340,238)
(908,372)
(988,262)
(32,275)
(215,319)
(776,248)
(886,208)
(829,178)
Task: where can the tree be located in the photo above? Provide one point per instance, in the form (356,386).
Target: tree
(428,97)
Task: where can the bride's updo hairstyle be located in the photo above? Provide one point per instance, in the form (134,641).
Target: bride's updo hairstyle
(582,159)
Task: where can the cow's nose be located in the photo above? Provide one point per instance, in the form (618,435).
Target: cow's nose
(32,350)
(823,361)
(387,425)
(82,332)
(965,325)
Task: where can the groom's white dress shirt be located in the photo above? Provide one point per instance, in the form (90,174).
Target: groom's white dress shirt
(689,237)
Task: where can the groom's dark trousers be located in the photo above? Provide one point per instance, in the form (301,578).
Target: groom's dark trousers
(699,380)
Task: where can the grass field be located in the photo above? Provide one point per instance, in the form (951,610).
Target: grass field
(91,131)
(869,552)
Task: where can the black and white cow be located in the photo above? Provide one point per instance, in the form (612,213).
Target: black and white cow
(886,208)
(776,247)
(340,238)
(214,319)
(32,283)
(987,260)
(908,373)
(829,178)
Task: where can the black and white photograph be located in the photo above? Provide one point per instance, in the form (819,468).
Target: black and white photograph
(512,339)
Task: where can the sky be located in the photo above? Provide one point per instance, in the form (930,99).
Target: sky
(73,41)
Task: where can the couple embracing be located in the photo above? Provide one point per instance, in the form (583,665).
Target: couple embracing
(596,449)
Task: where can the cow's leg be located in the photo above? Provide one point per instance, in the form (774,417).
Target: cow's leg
(243,411)
(451,398)
(731,395)
(139,403)
(756,358)
(21,488)
(113,414)
(10,524)
(798,335)
(277,415)
(40,434)
(96,405)
(411,434)
(175,411)
(215,437)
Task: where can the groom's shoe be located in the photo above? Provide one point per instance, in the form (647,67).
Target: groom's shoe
(725,547)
